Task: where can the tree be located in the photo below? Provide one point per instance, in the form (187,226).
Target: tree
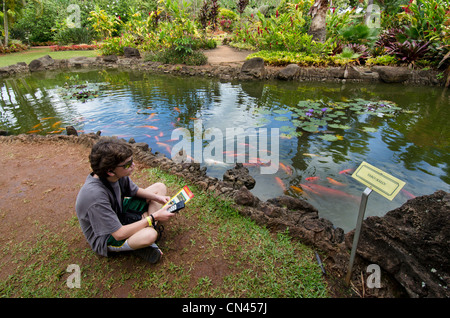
(11,8)
(318,12)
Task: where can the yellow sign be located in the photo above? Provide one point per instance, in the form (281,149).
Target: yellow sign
(378,180)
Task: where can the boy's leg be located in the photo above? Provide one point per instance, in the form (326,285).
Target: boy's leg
(140,243)
(143,238)
(156,188)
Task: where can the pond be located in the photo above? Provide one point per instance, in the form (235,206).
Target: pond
(316,133)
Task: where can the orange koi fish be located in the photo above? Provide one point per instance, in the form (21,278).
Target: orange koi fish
(34,131)
(161,134)
(280,183)
(408,194)
(47,118)
(36,126)
(312,178)
(331,180)
(321,190)
(56,124)
(149,127)
(286,169)
(151,116)
(346,171)
(148,136)
(177,109)
(297,189)
(310,155)
(304,186)
(165,146)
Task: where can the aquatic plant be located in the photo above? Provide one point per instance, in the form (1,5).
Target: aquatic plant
(314,116)
(74,89)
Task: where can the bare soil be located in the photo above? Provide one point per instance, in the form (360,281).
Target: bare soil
(39,185)
(223,54)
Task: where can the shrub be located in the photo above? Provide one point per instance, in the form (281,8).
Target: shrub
(14,46)
(173,56)
(74,35)
(115,45)
(385,60)
(408,51)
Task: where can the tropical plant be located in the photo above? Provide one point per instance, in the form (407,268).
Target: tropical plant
(424,20)
(359,34)
(103,23)
(408,51)
(337,21)
(385,60)
(74,35)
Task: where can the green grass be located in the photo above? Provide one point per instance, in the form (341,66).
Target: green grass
(210,250)
(34,53)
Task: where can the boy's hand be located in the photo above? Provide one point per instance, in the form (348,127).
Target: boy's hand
(163,199)
(162,214)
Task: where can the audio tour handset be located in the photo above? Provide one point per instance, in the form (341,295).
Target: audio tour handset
(176,207)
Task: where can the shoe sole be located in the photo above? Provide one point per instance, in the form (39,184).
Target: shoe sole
(151,254)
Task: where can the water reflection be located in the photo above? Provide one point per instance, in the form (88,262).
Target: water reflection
(413,145)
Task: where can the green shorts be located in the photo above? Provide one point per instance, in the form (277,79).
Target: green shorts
(136,204)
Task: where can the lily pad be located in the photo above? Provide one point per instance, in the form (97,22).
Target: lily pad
(370,129)
(329,137)
(281,111)
(287,128)
(281,118)
(310,128)
(339,126)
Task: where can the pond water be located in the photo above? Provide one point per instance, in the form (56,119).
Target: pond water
(325,130)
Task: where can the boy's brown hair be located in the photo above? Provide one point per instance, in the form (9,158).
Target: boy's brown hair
(107,154)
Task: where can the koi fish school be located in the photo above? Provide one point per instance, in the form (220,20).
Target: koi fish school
(257,146)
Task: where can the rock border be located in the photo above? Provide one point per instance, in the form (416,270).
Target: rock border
(252,69)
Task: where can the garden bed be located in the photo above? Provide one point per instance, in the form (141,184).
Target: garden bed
(238,70)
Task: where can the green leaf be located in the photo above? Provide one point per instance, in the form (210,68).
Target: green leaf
(339,126)
(281,118)
(329,137)
(370,129)
(281,111)
(310,128)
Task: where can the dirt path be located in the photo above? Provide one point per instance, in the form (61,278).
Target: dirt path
(223,54)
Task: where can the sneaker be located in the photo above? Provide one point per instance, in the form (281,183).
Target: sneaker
(151,254)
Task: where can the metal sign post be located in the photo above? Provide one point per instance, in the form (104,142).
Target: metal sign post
(362,211)
(382,183)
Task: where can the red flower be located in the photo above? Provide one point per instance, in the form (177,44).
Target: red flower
(277,14)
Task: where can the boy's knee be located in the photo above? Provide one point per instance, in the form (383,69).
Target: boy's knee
(150,237)
(161,188)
